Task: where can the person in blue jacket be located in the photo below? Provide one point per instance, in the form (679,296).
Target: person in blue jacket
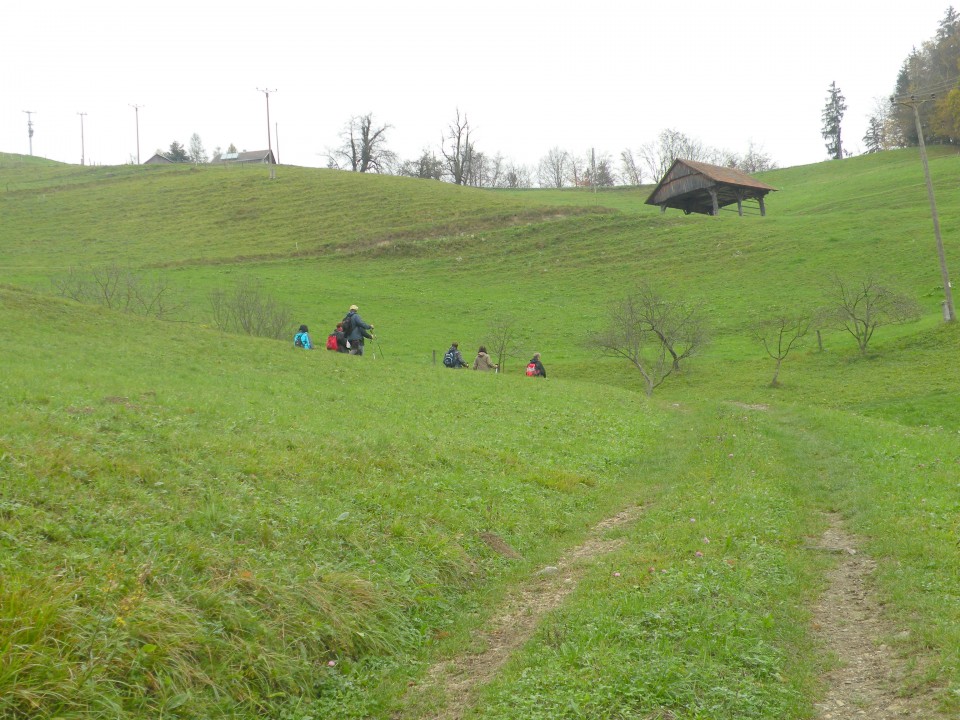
(357,330)
(302,339)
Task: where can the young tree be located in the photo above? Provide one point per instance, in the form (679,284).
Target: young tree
(865,305)
(232,148)
(363,147)
(832,116)
(653,333)
(197,154)
(457,150)
(779,333)
(502,342)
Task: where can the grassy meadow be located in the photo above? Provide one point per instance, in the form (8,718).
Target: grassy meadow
(197,525)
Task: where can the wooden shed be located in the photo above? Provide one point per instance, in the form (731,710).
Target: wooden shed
(697,187)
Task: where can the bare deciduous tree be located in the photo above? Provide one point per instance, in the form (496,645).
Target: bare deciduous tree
(779,334)
(864,305)
(630,168)
(517,176)
(670,145)
(120,288)
(653,333)
(428,166)
(251,311)
(363,148)
(458,150)
(553,168)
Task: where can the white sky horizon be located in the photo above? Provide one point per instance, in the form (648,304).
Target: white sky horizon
(530,75)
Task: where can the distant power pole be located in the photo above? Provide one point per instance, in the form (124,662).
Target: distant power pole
(30,127)
(267,93)
(83,151)
(913,101)
(136,112)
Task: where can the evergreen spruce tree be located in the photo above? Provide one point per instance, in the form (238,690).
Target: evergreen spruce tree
(832,116)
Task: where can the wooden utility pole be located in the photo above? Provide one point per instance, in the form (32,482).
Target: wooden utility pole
(913,101)
(83,152)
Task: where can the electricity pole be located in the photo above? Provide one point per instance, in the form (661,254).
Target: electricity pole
(30,127)
(136,112)
(267,93)
(913,101)
(83,152)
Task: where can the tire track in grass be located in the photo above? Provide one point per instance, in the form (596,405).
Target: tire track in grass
(456,679)
(849,623)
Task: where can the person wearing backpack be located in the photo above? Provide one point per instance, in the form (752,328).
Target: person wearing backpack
(535,367)
(453,358)
(337,340)
(355,330)
(483,360)
(302,339)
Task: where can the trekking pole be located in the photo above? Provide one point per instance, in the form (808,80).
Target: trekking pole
(380,349)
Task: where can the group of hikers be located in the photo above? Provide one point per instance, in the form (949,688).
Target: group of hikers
(347,337)
(453,359)
(350,333)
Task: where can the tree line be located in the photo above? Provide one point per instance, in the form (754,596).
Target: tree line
(930,72)
(363,147)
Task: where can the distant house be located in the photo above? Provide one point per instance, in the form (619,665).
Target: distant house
(158,159)
(697,187)
(264,157)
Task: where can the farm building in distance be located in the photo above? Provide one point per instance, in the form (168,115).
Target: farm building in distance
(264,157)
(697,187)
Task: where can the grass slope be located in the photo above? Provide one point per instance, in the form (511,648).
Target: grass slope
(194,525)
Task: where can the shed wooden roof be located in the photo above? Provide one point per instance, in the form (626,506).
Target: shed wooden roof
(698,187)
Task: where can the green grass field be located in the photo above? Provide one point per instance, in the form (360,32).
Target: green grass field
(196,525)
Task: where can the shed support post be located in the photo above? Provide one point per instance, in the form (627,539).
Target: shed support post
(740,203)
(713,198)
(663,209)
(763,210)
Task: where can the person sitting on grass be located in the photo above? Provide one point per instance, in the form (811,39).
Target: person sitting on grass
(453,358)
(482,361)
(535,367)
(302,339)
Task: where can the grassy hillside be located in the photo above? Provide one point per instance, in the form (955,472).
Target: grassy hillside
(199,525)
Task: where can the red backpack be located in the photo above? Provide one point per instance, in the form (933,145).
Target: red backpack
(332,342)
(532,370)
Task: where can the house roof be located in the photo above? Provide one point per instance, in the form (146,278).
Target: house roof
(157,158)
(687,186)
(247,156)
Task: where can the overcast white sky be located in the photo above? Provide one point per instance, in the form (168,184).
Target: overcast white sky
(529,74)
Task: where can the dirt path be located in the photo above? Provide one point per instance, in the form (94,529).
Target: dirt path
(454,681)
(848,621)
